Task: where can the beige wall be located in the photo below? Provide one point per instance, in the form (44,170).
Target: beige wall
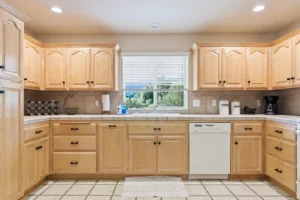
(289,29)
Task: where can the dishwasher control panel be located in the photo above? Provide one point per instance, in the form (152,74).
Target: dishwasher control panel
(209,127)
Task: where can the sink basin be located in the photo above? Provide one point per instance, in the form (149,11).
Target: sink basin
(161,114)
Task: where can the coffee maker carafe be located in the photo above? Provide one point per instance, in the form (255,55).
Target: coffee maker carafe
(271,105)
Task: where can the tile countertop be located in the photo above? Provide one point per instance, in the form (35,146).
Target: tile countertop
(278,118)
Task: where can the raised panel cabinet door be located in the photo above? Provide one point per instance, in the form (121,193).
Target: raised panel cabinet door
(11,48)
(210,67)
(233,67)
(172,155)
(296,61)
(31,164)
(282,62)
(112,149)
(257,68)
(102,69)
(79,67)
(43,157)
(11,126)
(32,65)
(247,155)
(56,68)
(142,154)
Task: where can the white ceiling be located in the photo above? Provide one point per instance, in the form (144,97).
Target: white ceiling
(174,16)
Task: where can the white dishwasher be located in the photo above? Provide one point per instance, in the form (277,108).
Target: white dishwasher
(209,150)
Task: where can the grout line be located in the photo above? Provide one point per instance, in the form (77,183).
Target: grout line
(229,190)
(91,190)
(114,191)
(252,190)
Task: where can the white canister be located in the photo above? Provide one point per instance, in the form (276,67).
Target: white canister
(235,108)
(224,107)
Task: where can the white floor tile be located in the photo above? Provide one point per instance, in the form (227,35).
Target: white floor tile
(275,198)
(73,198)
(233,182)
(98,198)
(121,198)
(199,198)
(241,190)
(192,182)
(249,198)
(107,182)
(57,190)
(264,190)
(86,182)
(83,190)
(39,190)
(218,190)
(48,182)
(121,182)
(103,190)
(223,198)
(118,190)
(148,198)
(30,197)
(254,182)
(211,182)
(65,182)
(48,198)
(196,190)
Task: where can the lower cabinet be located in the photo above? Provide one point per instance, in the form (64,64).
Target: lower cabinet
(150,154)
(36,161)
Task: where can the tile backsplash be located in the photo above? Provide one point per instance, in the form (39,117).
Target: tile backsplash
(85,101)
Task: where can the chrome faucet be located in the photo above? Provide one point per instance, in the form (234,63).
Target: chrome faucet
(155,107)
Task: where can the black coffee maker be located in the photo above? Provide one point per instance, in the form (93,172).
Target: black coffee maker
(271,105)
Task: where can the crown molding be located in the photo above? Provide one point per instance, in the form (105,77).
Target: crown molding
(14,12)
(33,40)
(286,37)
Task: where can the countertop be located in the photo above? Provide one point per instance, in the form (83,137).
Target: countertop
(191,117)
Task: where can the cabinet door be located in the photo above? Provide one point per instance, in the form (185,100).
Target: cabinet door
(172,155)
(142,154)
(79,68)
(233,68)
(32,65)
(257,68)
(43,157)
(210,67)
(112,148)
(11,48)
(56,68)
(11,141)
(31,164)
(247,155)
(282,64)
(296,61)
(102,74)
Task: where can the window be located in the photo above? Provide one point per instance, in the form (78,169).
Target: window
(155,81)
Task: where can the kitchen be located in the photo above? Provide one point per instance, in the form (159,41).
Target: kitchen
(105,112)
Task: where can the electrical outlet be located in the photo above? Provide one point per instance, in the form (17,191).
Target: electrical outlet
(258,103)
(97,103)
(196,103)
(214,103)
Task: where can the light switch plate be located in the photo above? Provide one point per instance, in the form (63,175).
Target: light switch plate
(214,103)
(258,103)
(196,103)
(97,103)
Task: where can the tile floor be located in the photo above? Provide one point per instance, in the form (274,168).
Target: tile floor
(198,190)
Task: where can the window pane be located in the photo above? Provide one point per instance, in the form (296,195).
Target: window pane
(170,99)
(139,99)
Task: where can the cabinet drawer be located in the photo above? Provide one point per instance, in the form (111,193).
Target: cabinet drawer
(73,163)
(34,132)
(74,128)
(284,131)
(246,128)
(74,143)
(159,128)
(273,165)
(282,149)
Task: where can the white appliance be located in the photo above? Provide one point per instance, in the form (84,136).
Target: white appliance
(235,108)
(224,107)
(298,160)
(209,150)
(105,103)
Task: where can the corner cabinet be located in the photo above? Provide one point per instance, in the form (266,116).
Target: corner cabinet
(296,61)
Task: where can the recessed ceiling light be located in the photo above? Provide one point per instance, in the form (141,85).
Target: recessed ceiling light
(56,9)
(154,25)
(258,8)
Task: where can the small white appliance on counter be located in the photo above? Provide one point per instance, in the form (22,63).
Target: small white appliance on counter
(298,160)
(235,108)
(209,150)
(105,103)
(224,107)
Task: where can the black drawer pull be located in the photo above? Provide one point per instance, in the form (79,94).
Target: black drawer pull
(74,163)
(278,148)
(41,147)
(37,148)
(157,129)
(74,129)
(248,129)
(279,132)
(112,126)
(74,142)
(279,171)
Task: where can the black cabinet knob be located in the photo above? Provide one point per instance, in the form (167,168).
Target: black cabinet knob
(292,78)
(288,79)
(159,143)
(154,143)
(2,67)
(92,82)
(2,92)
(224,82)
(88,82)
(236,143)
(25,79)
(63,82)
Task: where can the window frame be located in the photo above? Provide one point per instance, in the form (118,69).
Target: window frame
(155,90)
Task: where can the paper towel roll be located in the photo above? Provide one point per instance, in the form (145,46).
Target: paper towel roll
(105,102)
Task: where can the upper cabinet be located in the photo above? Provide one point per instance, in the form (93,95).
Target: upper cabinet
(296,61)
(257,68)
(11,48)
(56,68)
(32,65)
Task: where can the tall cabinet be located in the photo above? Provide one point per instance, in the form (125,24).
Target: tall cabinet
(11,105)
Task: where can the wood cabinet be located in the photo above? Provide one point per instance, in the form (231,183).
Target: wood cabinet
(43,158)
(11,140)
(32,65)
(31,164)
(56,68)
(257,68)
(296,61)
(112,149)
(11,49)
